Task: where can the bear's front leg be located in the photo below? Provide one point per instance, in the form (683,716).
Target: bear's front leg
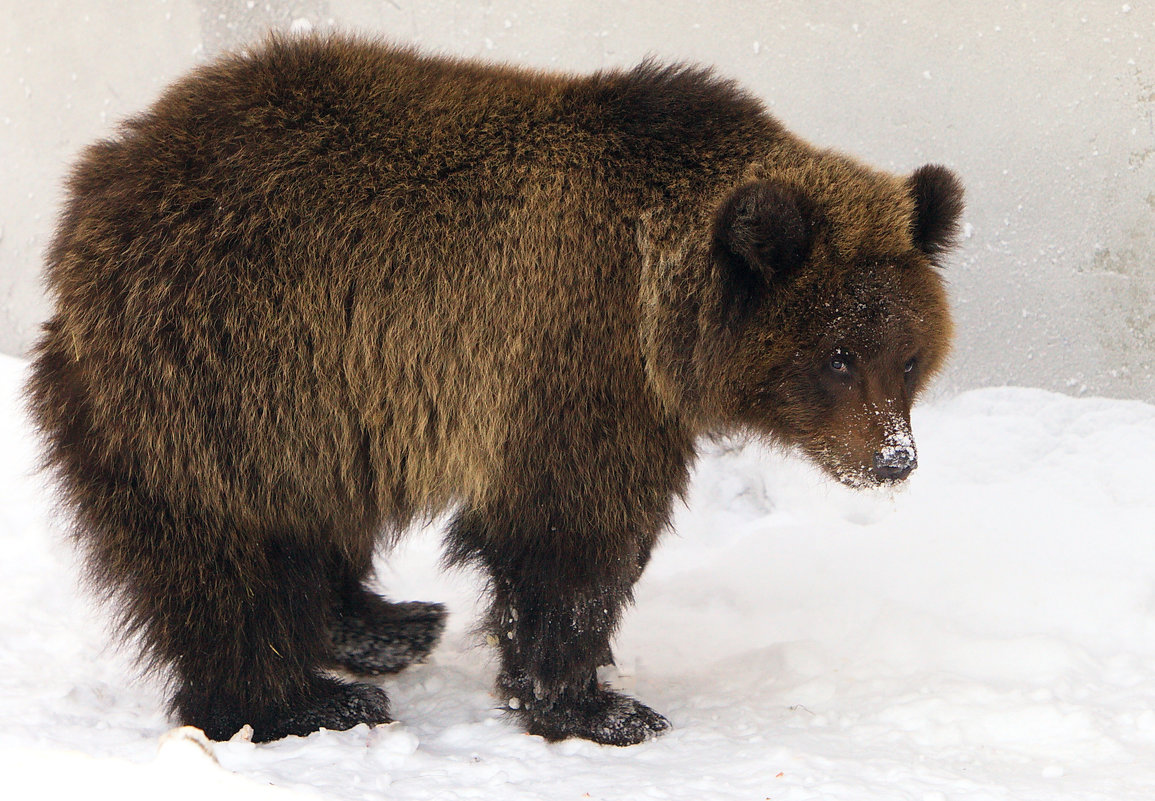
(558,594)
(551,649)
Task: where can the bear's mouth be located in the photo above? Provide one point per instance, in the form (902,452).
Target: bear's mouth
(881,472)
(855,478)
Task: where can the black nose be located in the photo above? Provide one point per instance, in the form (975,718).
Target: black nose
(894,464)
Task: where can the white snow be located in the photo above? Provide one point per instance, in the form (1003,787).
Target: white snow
(987,633)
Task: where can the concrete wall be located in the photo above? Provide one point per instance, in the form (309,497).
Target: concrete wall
(1047,109)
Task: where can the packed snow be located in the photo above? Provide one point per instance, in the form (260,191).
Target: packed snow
(986,633)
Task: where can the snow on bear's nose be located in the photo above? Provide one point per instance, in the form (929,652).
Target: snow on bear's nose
(894,462)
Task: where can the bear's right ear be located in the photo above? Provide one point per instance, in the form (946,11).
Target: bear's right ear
(762,232)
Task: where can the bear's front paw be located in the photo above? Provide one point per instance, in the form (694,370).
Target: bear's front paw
(601,715)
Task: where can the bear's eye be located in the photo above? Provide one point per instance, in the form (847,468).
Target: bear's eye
(908,368)
(841,362)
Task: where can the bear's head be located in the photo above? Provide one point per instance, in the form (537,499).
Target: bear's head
(818,311)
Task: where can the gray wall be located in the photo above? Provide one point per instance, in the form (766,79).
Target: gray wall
(1047,109)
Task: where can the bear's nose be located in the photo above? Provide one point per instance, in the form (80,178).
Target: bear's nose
(894,464)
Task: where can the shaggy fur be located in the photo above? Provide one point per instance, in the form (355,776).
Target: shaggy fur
(328,286)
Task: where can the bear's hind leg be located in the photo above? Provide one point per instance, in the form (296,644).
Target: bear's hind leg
(256,655)
(240,617)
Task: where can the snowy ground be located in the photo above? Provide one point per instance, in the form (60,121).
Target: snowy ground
(989,633)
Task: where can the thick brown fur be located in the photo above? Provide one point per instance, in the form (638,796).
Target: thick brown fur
(328,286)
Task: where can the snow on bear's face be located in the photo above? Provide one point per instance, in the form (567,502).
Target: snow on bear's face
(824,346)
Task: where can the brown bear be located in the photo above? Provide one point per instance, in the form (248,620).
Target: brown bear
(328,286)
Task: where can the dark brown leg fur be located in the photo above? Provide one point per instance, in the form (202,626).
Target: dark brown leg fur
(245,618)
(556,604)
(244,628)
(241,617)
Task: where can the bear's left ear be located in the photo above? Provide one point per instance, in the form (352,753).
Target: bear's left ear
(938,204)
(762,231)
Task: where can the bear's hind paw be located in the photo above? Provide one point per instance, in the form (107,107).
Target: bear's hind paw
(336,706)
(388,640)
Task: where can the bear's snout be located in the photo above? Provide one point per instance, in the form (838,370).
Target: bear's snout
(893,464)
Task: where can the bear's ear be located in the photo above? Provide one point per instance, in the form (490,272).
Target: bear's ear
(762,231)
(938,204)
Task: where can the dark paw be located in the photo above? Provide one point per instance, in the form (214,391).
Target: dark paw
(384,637)
(597,714)
(325,703)
(334,705)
